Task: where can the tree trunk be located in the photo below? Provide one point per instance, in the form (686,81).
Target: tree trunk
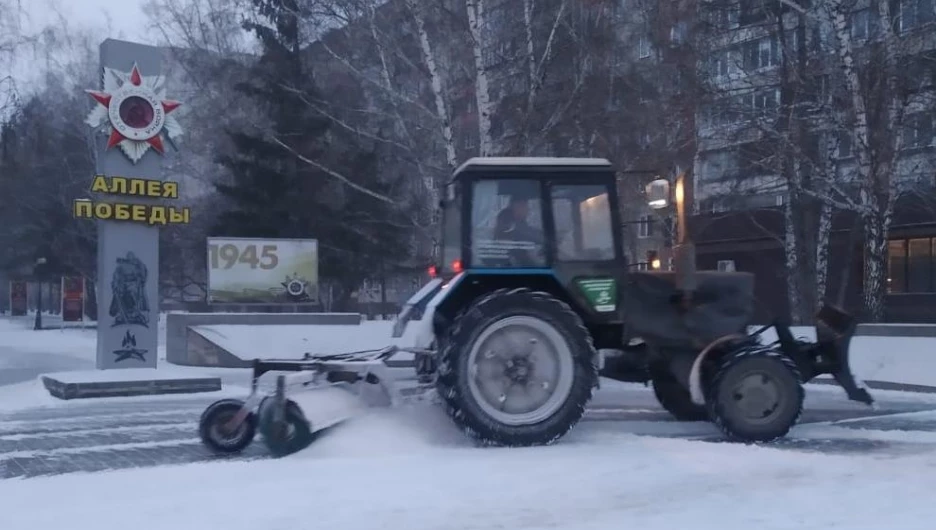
(476,25)
(791,253)
(824,231)
(876,224)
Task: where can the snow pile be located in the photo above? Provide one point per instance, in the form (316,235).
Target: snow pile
(403,479)
(907,360)
(18,334)
(293,341)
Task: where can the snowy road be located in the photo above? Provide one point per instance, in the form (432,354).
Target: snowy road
(116,435)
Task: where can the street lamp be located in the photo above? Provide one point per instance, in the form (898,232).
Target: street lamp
(658,197)
(36,274)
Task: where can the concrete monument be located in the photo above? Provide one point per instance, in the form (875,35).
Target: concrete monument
(133,122)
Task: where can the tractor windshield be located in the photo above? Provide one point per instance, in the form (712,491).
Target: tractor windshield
(583,223)
(506,225)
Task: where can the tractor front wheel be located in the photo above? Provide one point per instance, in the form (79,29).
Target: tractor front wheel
(756,395)
(517,368)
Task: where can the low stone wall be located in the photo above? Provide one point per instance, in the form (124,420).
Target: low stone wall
(187,347)
(144,387)
(896,330)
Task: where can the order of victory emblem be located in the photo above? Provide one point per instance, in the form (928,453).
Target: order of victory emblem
(134,112)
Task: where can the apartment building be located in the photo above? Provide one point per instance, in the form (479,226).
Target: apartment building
(739,191)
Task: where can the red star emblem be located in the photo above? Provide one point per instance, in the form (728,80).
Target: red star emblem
(137,117)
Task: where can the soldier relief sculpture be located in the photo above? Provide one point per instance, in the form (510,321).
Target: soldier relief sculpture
(129,305)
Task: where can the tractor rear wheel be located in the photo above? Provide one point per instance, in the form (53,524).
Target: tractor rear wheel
(756,394)
(517,368)
(674,397)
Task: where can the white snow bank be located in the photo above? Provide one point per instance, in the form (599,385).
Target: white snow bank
(377,473)
(293,341)
(75,342)
(908,360)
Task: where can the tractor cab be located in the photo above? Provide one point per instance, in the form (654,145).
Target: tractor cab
(530,216)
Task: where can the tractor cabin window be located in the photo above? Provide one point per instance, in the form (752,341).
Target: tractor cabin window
(507,224)
(582,215)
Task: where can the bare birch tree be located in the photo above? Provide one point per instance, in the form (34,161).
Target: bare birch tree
(871,99)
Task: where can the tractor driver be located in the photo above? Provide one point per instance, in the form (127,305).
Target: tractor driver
(512,225)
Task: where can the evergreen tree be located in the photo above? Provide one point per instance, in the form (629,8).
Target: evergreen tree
(273,193)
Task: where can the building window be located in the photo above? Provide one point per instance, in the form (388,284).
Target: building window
(844,147)
(918,130)
(723,15)
(726,62)
(863,24)
(915,13)
(643,227)
(678,33)
(726,265)
(752,11)
(643,47)
(761,53)
(910,265)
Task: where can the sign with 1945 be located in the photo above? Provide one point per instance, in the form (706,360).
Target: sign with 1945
(262,271)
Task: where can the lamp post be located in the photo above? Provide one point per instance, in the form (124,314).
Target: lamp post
(37,270)
(659,196)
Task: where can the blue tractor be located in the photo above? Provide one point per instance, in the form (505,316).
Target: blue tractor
(533,301)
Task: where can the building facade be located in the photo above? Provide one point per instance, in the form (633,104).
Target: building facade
(740,180)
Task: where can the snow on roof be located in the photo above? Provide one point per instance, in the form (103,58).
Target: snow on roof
(531,161)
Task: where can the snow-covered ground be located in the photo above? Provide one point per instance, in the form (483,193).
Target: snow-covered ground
(411,470)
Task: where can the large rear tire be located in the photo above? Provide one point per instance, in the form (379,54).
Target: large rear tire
(674,397)
(517,369)
(756,395)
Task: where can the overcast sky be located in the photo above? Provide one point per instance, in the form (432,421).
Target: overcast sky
(126,16)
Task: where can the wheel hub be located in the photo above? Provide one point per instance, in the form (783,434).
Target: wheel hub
(226,429)
(757,396)
(519,370)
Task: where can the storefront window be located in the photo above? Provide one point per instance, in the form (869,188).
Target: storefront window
(896,266)
(910,265)
(919,266)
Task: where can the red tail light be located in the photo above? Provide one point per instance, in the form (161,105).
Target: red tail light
(457,266)
(432,271)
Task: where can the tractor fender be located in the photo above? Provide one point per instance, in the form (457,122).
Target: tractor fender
(424,334)
(695,375)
